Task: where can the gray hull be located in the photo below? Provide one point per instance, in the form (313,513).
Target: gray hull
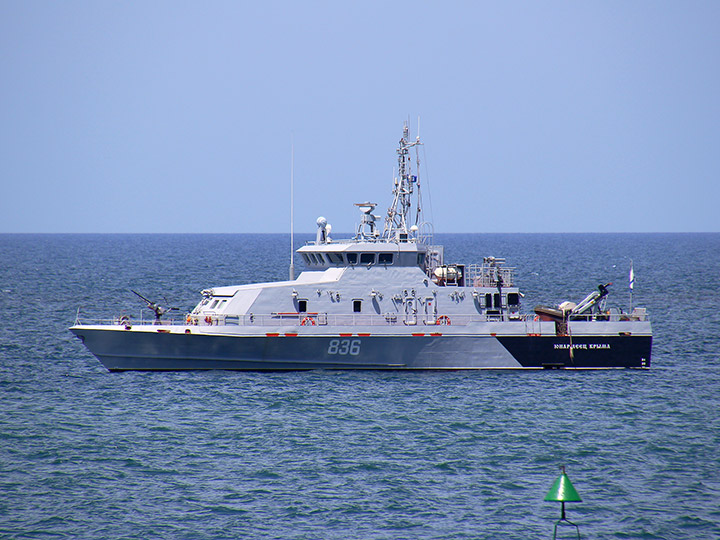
(172,349)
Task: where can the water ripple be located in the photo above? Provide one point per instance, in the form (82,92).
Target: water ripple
(87,454)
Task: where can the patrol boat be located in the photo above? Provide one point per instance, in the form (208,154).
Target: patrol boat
(382,300)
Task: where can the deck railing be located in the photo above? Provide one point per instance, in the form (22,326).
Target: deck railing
(350,320)
(482,275)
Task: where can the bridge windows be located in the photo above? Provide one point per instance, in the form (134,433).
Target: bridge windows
(340,259)
(385,258)
(318,259)
(335,258)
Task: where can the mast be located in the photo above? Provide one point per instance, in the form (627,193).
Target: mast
(399,213)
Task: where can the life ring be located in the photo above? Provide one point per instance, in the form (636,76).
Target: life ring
(537,318)
(308,321)
(124,319)
(443,319)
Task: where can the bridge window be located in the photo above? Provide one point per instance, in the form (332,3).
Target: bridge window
(306,258)
(357,306)
(302,306)
(488,301)
(513,299)
(367,258)
(385,258)
(335,258)
(421,259)
(352,258)
(320,258)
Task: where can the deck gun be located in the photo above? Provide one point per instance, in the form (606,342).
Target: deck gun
(155,307)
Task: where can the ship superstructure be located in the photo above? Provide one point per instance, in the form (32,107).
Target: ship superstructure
(383,299)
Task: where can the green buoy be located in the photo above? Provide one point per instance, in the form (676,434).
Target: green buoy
(563,491)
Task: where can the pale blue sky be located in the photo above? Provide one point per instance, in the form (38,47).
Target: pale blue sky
(536,116)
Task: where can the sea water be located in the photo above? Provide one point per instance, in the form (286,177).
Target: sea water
(336,455)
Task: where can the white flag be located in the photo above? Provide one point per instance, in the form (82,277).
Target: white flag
(632,276)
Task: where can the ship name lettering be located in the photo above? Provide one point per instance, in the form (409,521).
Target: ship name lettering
(582,346)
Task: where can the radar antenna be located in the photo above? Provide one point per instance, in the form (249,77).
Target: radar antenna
(368,220)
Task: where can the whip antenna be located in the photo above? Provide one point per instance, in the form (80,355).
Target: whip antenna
(292,207)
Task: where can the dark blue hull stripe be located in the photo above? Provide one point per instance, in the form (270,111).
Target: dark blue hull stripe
(587,351)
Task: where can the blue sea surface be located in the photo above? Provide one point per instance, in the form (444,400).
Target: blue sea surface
(337,455)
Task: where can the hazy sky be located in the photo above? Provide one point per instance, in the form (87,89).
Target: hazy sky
(536,116)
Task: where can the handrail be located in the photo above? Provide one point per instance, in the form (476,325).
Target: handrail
(349,320)
(483,275)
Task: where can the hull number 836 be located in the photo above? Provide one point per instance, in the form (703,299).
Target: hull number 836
(344,346)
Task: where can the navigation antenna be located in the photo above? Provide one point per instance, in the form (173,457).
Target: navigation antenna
(399,213)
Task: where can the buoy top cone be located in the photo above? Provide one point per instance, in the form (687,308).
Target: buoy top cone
(563,491)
